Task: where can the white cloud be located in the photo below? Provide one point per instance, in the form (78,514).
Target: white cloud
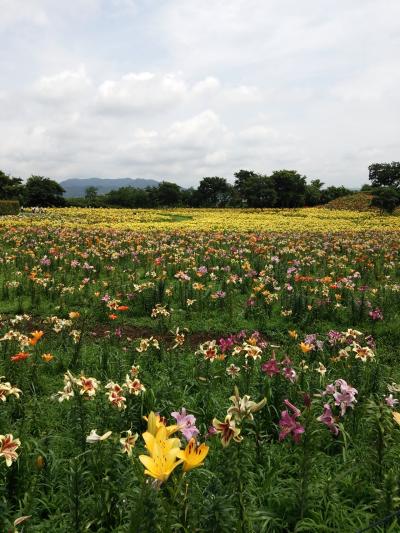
(197,131)
(64,86)
(180,88)
(13,11)
(373,84)
(192,141)
(209,84)
(258,134)
(140,92)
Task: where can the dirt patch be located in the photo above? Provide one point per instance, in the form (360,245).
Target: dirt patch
(137,332)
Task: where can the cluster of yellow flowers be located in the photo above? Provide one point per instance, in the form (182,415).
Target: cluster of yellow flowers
(165,453)
(282,220)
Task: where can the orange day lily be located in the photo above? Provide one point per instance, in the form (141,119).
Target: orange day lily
(36,336)
(305,348)
(21,356)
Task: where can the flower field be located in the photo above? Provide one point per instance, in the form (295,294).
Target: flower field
(282,220)
(199,371)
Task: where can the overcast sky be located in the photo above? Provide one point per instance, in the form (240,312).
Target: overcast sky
(181,89)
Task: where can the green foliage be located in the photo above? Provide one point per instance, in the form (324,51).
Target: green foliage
(167,194)
(43,192)
(385,174)
(9,207)
(313,193)
(284,188)
(10,188)
(255,190)
(91,195)
(290,188)
(213,192)
(386,198)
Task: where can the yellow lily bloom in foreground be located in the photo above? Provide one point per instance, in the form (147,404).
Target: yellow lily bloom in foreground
(154,423)
(193,455)
(161,439)
(163,457)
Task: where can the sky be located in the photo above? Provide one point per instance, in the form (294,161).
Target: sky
(181,89)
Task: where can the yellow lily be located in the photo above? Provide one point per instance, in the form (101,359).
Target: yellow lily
(154,423)
(193,455)
(163,455)
(160,466)
(161,439)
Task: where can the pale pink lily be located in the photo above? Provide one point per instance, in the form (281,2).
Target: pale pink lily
(186,424)
(346,397)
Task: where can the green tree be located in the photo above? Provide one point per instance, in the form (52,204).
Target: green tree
(190,197)
(214,192)
(367,187)
(386,198)
(313,193)
(385,174)
(242,180)
(128,197)
(91,195)
(43,192)
(10,188)
(332,192)
(254,189)
(290,188)
(167,194)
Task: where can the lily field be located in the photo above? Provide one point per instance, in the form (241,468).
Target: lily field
(199,371)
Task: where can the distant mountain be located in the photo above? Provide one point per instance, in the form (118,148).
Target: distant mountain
(75,187)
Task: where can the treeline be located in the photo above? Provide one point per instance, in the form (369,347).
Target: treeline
(38,191)
(284,188)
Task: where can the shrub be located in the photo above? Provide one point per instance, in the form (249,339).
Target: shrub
(9,207)
(386,198)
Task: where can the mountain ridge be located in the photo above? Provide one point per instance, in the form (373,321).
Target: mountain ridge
(75,187)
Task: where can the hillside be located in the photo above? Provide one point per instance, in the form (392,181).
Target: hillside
(359,201)
(75,187)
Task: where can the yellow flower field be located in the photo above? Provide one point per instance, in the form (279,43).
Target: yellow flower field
(279,220)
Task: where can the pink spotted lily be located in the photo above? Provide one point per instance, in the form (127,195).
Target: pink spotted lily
(328,419)
(289,425)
